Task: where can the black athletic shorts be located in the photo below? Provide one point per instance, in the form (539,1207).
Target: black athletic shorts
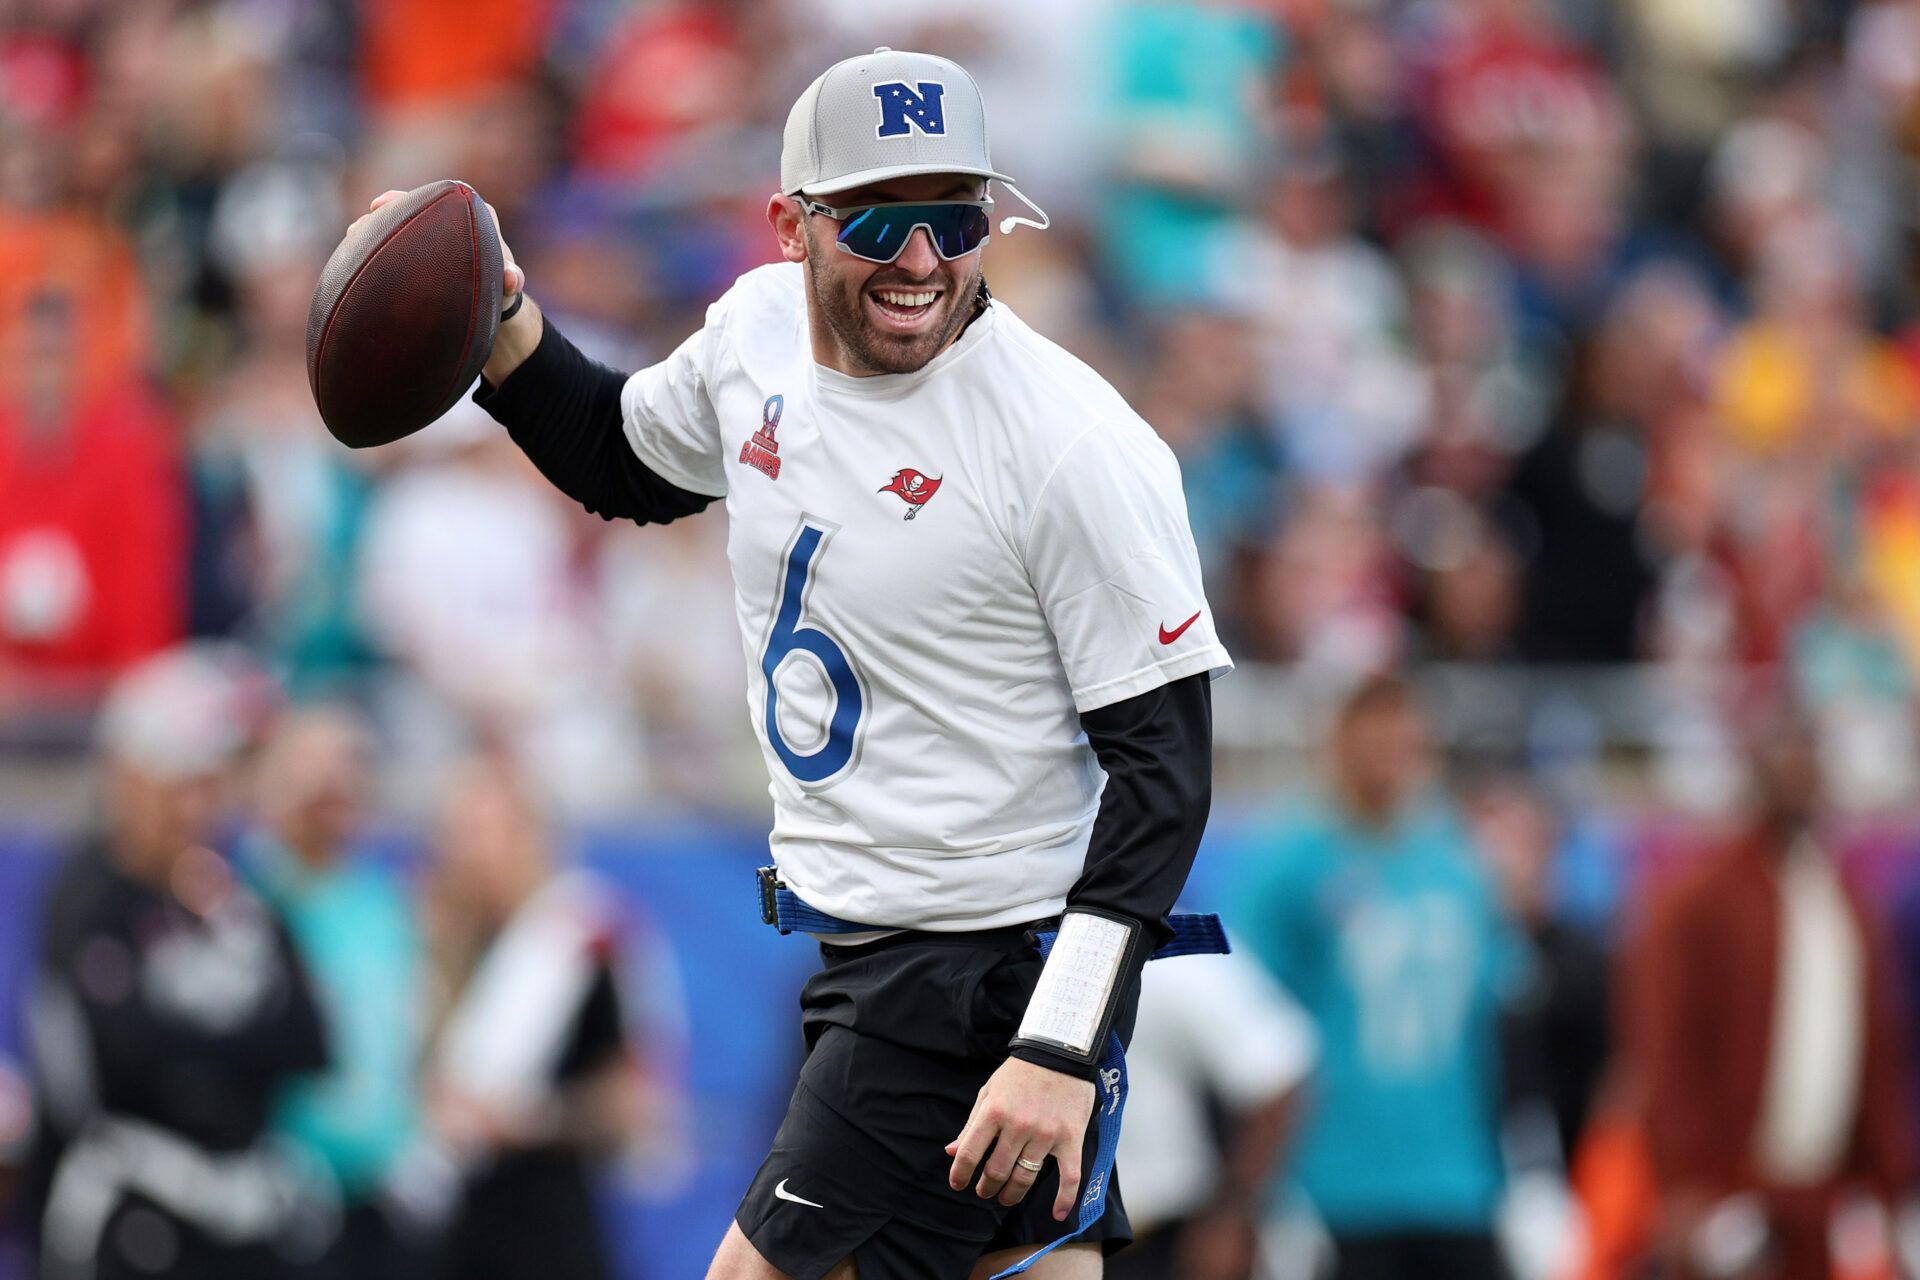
(901,1034)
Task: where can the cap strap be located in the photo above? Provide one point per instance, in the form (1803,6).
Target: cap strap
(1007,224)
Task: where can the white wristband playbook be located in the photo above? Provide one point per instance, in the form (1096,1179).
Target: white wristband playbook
(1073,1003)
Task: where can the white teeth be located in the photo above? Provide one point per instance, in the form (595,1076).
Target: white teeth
(899,299)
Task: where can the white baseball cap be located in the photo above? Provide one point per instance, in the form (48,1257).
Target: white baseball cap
(885,114)
(184,713)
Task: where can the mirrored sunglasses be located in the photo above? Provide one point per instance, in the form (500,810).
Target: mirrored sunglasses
(878,232)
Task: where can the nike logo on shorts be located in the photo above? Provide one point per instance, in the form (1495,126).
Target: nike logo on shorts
(784,1194)
(1168,637)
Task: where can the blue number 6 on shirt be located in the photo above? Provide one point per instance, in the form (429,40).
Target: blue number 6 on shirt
(789,637)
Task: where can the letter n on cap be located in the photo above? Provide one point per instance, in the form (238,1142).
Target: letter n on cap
(902,110)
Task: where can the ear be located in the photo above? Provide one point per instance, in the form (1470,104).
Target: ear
(786,217)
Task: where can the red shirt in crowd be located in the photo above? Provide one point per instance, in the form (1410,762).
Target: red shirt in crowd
(93,529)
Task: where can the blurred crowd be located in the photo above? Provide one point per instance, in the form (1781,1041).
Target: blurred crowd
(1421,1064)
(1517,335)
(255,1050)
(255,1047)
(1487,332)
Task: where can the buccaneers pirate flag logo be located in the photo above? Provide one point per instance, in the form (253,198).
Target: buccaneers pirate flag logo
(914,489)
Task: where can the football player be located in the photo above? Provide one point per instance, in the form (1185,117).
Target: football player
(979,660)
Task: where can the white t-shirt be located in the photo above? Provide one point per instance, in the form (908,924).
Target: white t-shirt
(934,572)
(1211,1029)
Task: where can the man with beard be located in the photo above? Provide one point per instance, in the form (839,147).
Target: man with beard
(978,654)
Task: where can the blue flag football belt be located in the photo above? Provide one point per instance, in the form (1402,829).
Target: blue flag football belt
(1193,934)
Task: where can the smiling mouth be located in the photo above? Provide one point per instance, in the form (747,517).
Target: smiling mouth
(904,310)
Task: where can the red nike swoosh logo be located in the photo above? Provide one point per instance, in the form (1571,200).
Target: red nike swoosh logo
(1168,637)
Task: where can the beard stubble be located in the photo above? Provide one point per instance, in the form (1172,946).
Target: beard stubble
(844,307)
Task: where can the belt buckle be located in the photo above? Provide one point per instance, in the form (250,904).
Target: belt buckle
(769,906)
(1050,925)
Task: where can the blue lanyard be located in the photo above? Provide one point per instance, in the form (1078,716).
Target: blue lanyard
(1108,1106)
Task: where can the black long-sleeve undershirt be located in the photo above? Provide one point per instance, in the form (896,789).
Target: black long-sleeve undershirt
(563,410)
(1157,750)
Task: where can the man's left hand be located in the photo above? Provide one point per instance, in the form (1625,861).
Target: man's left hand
(1023,1112)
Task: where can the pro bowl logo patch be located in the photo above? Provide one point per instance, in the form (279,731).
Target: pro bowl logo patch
(762,449)
(915,489)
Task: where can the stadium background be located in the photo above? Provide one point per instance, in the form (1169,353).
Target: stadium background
(1563,352)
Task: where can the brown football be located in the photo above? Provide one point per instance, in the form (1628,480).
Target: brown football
(404,314)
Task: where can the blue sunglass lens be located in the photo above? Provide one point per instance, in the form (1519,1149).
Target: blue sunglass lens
(878,234)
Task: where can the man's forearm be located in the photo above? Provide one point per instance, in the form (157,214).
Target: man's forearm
(1156,749)
(513,342)
(563,410)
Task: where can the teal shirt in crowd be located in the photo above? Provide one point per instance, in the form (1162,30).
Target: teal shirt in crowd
(1192,77)
(353,927)
(1392,941)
